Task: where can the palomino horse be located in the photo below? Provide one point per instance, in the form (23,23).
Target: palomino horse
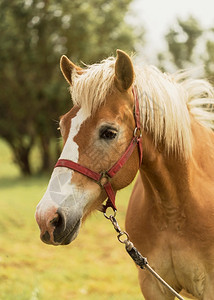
(170,217)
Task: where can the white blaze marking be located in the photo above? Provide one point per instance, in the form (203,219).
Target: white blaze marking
(60,190)
(70,150)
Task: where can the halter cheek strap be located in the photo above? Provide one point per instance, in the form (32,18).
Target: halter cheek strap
(103,178)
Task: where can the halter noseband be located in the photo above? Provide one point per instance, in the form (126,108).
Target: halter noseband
(103,178)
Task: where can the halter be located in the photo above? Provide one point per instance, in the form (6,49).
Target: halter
(103,178)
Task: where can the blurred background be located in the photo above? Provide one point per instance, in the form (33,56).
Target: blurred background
(33,94)
(34,34)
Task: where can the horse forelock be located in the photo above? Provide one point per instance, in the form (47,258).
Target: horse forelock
(166,101)
(90,89)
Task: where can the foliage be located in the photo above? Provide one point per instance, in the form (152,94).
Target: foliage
(209,59)
(189,45)
(182,40)
(33,36)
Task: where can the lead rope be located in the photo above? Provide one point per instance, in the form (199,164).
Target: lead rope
(141,261)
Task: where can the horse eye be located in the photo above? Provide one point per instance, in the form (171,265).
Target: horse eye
(108,134)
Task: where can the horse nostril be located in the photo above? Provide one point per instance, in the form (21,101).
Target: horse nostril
(46,237)
(58,226)
(57,221)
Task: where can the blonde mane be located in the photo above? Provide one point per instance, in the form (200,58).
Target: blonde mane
(166,101)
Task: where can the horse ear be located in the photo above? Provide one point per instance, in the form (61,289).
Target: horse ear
(67,68)
(124,72)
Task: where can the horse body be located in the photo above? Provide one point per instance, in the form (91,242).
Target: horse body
(170,217)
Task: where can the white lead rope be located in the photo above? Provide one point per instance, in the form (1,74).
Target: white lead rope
(147,266)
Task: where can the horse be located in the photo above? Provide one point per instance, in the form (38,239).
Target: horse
(170,215)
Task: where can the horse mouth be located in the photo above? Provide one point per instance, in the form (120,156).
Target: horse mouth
(70,235)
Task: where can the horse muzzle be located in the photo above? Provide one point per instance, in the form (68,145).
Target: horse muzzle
(58,225)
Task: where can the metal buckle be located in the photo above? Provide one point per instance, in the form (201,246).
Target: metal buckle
(103,177)
(137,132)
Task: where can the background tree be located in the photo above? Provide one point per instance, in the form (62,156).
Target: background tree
(182,40)
(209,57)
(189,45)
(33,36)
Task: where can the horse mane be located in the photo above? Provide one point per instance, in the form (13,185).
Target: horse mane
(167,101)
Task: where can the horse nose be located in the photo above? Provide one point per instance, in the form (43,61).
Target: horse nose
(52,224)
(58,225)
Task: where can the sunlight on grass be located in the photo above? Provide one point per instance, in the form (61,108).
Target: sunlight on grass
(95,266)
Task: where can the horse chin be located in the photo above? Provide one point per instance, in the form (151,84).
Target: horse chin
(72,234)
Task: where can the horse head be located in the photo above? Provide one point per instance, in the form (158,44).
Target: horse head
(96,132)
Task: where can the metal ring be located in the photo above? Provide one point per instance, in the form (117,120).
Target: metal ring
(109,217)
(120,235)
(136,132)
(103,175)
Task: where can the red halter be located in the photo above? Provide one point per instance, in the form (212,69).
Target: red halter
(103,178)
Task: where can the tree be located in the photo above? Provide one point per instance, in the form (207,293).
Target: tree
(33,36)
(209,58)
(189,45)
(182,40)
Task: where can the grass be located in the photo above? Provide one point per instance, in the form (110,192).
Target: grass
(95,266)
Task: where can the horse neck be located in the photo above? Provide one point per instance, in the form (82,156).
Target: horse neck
(202,150)
(169,179)
(163,175)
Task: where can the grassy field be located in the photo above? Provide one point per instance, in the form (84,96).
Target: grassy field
(95,266)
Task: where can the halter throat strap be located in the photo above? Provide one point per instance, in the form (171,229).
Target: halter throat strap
(103,178)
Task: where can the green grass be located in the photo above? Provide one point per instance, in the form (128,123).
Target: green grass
(93,267)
